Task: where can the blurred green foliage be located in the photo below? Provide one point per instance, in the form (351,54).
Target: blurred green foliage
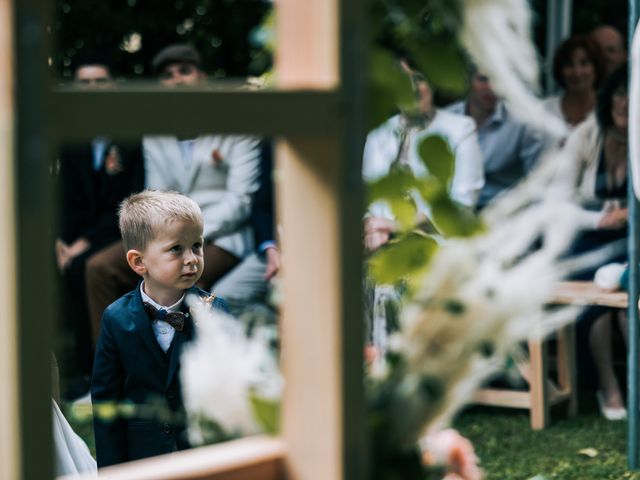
(425,33)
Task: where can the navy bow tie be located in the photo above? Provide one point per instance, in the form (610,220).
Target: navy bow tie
(175,319)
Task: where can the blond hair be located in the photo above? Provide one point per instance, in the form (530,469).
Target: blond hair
(142,215)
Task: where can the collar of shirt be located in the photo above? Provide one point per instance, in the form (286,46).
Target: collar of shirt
(162,331)
(499,115)
(98,148)
(146,298)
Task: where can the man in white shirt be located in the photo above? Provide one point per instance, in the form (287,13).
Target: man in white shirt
(397,140)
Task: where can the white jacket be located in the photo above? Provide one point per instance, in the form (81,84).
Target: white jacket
(221,178)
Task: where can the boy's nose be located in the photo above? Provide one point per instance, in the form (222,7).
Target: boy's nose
(190,258)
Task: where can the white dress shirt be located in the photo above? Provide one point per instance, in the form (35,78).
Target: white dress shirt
(162,330)
(382,146)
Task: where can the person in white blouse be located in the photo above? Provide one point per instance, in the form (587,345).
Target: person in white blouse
(578,69)
(594,169)
(397,140)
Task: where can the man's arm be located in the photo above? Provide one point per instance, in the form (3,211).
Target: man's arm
(106,392)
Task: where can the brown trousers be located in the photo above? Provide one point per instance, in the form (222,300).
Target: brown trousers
(109,277)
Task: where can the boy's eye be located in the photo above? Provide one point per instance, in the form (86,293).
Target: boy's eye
(197,247)
(176,248)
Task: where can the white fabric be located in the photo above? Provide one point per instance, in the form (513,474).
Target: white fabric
(578,167)
(553,105)
(163,332)
(72,455)
(382,145)
(221,178)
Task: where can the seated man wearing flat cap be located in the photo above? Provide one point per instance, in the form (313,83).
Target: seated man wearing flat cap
(219,172)
(178,64)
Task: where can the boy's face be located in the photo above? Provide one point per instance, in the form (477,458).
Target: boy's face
(171,262)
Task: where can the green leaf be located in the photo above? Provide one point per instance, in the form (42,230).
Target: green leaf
(452,219)
(395,189)
(267,413)
(441,61)
(430,188)
(403,258)
(436,154)
(395,184)
(389,88)
(405,211)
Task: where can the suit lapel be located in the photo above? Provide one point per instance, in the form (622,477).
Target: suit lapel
(143,327)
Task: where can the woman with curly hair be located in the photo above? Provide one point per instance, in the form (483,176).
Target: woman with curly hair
(578,70)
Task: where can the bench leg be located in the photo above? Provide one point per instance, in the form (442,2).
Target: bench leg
(538,384)
(567,366)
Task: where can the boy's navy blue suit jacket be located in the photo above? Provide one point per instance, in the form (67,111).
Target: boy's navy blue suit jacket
(131,367)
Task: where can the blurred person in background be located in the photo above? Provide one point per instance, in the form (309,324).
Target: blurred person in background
(578,70)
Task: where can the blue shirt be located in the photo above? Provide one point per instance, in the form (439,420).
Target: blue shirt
(99,147)
(510,149)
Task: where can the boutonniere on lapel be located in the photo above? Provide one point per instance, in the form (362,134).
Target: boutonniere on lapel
(216,158)
(202,302)
(113,161)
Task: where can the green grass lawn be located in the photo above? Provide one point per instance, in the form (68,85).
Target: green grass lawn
(510,450)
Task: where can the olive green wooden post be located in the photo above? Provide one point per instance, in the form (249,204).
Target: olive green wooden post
(634,236)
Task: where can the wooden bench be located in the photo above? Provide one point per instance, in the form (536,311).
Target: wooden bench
(543,392)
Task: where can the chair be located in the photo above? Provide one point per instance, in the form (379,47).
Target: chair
(543,392)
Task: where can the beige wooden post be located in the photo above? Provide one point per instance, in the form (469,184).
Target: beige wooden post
(9,414)
(319,207)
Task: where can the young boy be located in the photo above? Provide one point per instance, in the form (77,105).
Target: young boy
(143,332)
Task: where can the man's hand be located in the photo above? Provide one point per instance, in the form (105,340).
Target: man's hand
(273,262)
(377,232)
(62,255)
(66,253)
(613,218)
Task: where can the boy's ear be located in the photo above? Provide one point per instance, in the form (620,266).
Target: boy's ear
(134,259)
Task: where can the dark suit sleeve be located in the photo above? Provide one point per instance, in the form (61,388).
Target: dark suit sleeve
(262,208)
(221,305)
(115,189)
(107,388)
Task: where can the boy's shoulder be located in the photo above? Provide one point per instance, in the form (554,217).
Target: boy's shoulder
(123,304)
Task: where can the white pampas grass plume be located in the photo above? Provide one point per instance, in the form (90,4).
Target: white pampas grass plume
(481,296)
(497,35)
(220,370)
